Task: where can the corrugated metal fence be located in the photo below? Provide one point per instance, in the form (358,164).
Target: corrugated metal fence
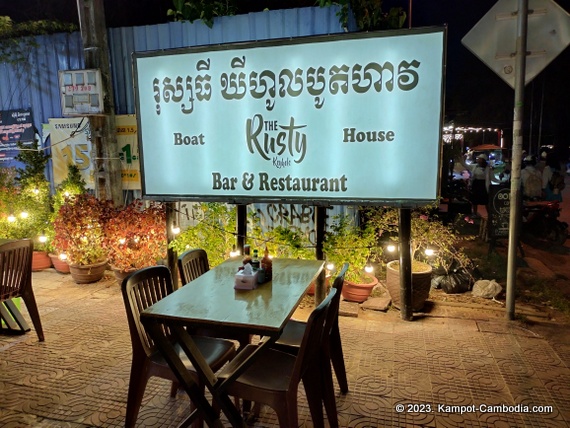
(34,84)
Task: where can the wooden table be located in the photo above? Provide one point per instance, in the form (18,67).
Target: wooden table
(210,301)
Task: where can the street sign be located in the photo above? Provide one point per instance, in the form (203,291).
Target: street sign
(493,38)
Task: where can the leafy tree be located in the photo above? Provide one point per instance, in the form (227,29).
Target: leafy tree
(206,10)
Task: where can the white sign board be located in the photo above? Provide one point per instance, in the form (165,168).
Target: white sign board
(351,119)
(493,39)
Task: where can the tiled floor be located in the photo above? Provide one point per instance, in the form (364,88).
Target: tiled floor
(435,368)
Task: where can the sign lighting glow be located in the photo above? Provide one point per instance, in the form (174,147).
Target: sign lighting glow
(350,119)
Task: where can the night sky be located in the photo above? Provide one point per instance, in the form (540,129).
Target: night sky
(475,95)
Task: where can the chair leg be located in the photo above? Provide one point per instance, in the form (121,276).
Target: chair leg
(328,392)
(287,412)
(337,359)
(137,385)
(313,388)
(30,301)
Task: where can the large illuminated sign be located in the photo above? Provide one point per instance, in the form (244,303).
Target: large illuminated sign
(350,119)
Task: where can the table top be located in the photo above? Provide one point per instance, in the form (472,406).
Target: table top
(211,300)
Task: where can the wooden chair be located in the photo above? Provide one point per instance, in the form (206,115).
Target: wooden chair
(140,290)
(192,264)
(273,377)
(290,340)
(16,281)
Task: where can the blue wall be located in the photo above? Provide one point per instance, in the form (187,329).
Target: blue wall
(34,85)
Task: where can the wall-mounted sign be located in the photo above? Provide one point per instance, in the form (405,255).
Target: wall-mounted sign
(71,144)
(355,118)
(81,92)
(128,151)
(15,125)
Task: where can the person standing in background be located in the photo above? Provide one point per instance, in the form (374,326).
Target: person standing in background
(552,191)
(480,181)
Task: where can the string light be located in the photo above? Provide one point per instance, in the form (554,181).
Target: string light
(122,241)
(391,248)
(429,252)
(175,229)
(368,268)
(11,218)
(24,214)
(42,239)
(330,266)
(234,252)
(63,256)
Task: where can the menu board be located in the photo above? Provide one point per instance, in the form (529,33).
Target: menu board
(499,211)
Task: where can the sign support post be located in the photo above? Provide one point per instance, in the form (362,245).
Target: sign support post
(522,20)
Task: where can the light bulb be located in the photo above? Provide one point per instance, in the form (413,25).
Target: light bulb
(36,191)
(63,256)
(368,269)
(11,218)
(42,238)
(175,229)
(234,253)
(24,214)
(429,252)
(391,248)
(330,266)
(122,241)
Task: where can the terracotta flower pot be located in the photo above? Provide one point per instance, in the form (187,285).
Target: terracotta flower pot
(85,274)
(358,292)
(59,265)
(40,261)
(121,274)
(421,284)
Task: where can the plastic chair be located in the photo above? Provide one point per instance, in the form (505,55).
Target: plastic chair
(16,281)
(290,339)
(192,264)
(273,377)
(140,290)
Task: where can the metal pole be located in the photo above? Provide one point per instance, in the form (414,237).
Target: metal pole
(320,226)
(171,254)
(241,226)
(405,227)
(520,61)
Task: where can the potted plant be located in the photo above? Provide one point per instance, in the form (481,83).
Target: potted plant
(432,246)
(73,185)
(135,237)
(346,242)
(79,233)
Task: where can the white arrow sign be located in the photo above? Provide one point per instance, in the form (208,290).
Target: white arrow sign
(493,38)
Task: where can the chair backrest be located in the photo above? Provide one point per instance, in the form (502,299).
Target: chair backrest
(142,289)
(192,264)
(332,317)
(313,338)
(15,267)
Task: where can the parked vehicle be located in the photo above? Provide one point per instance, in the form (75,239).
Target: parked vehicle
(540,220)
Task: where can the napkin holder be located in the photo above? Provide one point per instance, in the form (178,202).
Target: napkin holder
(246,279)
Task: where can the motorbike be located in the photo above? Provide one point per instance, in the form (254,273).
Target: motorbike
(540,220)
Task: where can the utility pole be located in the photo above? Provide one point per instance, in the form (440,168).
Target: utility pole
(106,162)
(515,216)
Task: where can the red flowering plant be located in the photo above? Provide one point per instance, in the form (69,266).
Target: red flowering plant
(80,229)
(135,236)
